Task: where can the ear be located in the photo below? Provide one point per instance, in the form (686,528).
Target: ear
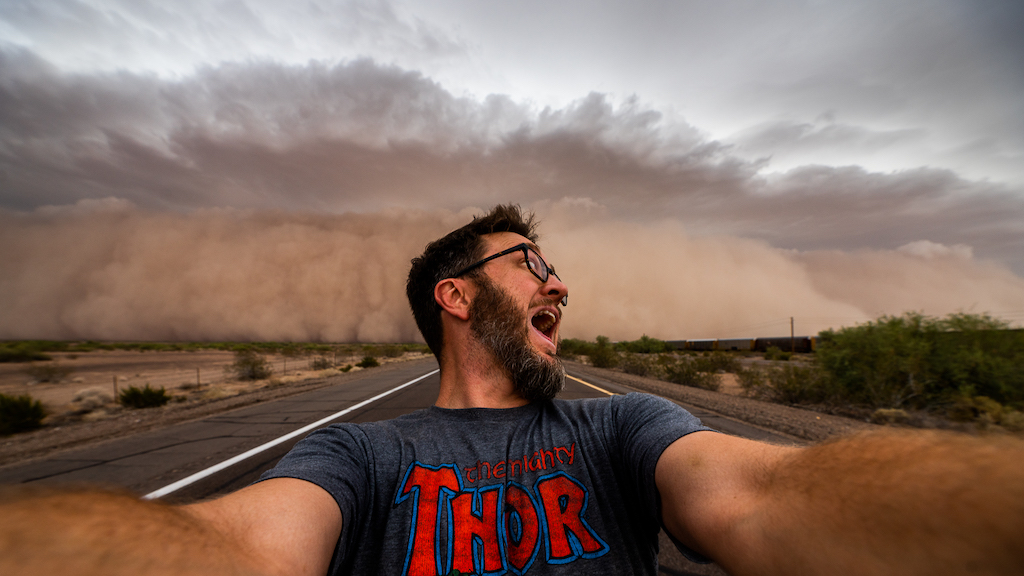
(451,294)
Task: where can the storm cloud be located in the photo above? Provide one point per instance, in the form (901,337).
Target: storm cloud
(259,171)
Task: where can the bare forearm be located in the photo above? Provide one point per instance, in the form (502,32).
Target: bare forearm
(86,532)
(913,503)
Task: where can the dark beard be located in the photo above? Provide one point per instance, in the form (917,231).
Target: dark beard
(501,327)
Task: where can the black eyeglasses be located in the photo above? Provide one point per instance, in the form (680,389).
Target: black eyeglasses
(534,262)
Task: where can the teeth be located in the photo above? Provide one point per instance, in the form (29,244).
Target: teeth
(544,321)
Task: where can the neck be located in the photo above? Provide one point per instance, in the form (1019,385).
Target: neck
(472,378)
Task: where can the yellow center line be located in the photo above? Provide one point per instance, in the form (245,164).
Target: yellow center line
(598,388)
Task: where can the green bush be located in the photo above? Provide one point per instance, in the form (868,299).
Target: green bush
(603,355)
(572,347)
(914,361)
(20,414)
(393,351)
(717,362)
(788,384)
(686,370)
(638,364)
(775,353)
(134,397)
(22,352)
(368,362)
(645,345)
(321,363)
(250,365)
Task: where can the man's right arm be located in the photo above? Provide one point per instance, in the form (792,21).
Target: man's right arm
(279,526)
(292,525)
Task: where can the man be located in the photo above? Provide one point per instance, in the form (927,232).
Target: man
(498,478)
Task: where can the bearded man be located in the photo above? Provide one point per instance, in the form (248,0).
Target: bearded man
(500,478)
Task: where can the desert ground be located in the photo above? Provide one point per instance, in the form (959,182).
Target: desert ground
(178,372)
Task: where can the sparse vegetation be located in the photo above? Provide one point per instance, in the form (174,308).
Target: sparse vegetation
(368,362)
(49,372)
(147,397)
(321,363)
(602,354)
(23,351)
(689,371)
(250,365)
(774,353)
(20,414)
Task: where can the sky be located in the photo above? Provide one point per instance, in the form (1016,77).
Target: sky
(252,169)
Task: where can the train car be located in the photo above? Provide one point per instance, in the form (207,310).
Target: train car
(702,345)
(738,344)
(676,344)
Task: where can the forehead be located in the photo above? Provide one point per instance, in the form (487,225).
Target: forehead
(503,240)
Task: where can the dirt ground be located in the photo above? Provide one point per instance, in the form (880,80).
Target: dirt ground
(94,416)
(105,371)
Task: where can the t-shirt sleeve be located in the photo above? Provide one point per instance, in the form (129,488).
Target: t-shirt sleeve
(645,426)
(335,459)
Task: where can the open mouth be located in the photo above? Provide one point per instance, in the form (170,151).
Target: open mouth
(545,322)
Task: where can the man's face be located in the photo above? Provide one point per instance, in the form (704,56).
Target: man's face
(500,325)
(517,317)
(537,300)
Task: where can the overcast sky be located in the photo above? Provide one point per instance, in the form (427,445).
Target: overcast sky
(806,126)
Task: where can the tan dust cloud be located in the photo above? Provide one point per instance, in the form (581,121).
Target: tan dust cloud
(108,270)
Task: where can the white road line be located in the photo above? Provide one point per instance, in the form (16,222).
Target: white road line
(599,389)
(232,461)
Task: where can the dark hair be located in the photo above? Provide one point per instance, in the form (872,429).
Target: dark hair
(445,257)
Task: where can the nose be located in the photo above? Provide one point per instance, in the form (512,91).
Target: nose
(555,288)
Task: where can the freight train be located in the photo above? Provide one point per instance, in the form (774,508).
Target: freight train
(784,343)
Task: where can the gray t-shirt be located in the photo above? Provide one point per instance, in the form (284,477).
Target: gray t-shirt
(558,487)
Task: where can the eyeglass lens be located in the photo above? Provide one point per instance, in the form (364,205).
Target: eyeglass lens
(538,266)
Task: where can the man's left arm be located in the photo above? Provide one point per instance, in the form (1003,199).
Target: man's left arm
(884,503)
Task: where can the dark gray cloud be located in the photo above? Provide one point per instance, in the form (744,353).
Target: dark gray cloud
(360,136)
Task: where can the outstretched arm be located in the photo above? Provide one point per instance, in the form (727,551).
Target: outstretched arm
(280,526)
(883,503)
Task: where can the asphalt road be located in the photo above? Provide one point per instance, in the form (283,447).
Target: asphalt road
(153,460)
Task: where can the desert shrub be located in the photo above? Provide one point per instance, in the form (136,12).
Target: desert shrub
(572,347)
(20,414)
(795,384)
(603,355)
(645,345)
(148,397)
(686,371)
(890,416)
(368,362)
(27,351)
(717,362)
(90,399)
(775,353)
(788,384)
(345,368)
(753,382)
(920,362)
(49,372)
(321,363)
(250,365)
(638,364)
(392,351)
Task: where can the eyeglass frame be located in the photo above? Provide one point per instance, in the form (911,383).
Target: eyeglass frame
(526,249)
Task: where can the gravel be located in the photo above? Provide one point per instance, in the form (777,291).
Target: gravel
(800,423)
